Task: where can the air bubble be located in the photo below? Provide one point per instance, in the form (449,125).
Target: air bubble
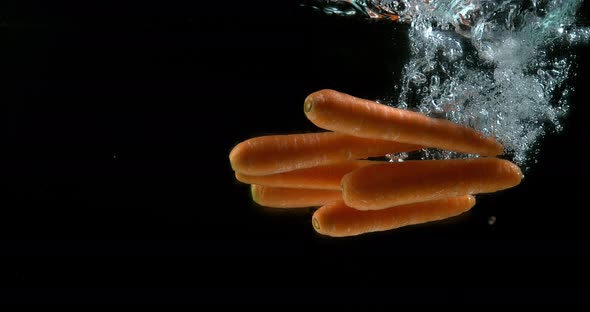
(502,67)
(398,157)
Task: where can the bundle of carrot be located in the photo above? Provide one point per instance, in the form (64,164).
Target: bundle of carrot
(331,170)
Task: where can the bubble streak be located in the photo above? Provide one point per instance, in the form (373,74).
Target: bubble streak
(502,67)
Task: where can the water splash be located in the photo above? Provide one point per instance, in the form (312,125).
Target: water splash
(368,8)
(500,66)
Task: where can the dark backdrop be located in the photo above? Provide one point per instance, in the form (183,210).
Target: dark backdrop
(117,121)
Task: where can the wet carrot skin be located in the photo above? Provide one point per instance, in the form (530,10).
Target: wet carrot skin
(336,219)
(281,153)
(337,111)
(383,185)
(326,177)
(281,197)
(289,171)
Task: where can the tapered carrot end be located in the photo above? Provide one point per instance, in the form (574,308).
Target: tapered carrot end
(514,173)
(470,202)
(244,157)
(496,149)
(238,176)
(234,157)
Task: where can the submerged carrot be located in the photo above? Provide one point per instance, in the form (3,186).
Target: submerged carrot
(321,177)
(281,153)
(384,185)
(282,197)
(336,111)
(339,220)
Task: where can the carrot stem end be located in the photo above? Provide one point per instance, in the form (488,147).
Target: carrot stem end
(316,223)
(308,105)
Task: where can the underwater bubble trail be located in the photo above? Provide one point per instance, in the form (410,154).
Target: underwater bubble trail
(500,66)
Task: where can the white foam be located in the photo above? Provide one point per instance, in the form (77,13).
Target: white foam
(500,66)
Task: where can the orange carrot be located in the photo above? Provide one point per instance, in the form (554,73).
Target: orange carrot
(282,197)
(281,153)
(321,177)
(339,220)
(385,185)
(336,111)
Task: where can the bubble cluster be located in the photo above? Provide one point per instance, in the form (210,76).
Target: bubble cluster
(502,67)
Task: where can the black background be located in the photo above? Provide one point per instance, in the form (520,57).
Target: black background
(117,121)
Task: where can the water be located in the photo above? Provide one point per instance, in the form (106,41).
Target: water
(500,66)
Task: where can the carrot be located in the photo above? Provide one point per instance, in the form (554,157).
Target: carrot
(336,111)
(384,185)
(339,220)
(281,153)
(321,177)
(282,197)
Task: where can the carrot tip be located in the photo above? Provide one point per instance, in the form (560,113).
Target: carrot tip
(316,223)
(308,105)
